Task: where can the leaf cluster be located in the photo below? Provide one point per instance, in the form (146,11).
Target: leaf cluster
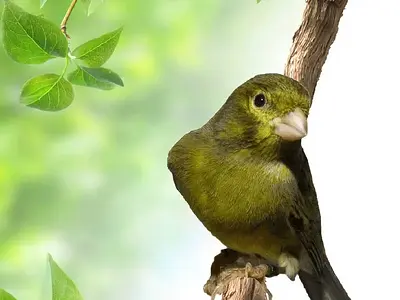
(30,39)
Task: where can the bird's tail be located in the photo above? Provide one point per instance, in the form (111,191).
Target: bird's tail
(324,287)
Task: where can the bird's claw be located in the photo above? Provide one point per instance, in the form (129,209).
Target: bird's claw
(258,272)
(273,271)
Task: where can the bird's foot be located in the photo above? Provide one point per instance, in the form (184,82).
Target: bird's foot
(230,264)
(216,284)
(291,265)
(273,271)
(259,272)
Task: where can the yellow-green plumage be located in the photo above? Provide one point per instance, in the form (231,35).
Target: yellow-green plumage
(238,179)
(251,188)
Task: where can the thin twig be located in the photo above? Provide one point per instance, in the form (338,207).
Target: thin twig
(63,25)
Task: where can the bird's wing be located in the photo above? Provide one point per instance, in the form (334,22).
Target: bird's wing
(305,219)
(306,231)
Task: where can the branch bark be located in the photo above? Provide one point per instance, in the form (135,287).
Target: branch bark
(312,41)
(239,276)
(311,44)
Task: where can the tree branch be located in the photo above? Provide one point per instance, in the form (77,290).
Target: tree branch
(238,276)
(233,276)
(312,41)
(64,22)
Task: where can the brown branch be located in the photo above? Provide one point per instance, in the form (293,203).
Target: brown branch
(64,22)
(240,288)
(312,41)
(238,276)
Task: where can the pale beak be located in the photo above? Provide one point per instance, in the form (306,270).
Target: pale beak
(291,127)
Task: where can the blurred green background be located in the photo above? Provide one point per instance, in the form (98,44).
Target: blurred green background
(90,184)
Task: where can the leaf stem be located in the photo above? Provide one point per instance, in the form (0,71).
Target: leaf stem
(65,66)
(63,25)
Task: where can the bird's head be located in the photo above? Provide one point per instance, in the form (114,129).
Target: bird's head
(266,109)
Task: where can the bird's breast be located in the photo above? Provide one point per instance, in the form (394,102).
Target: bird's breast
(242,201)
(233,192)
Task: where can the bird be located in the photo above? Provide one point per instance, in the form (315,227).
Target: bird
(246,177)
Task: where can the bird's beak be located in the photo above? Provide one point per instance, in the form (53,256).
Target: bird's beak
(291,127)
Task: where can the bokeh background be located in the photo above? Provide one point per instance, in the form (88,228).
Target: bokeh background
(90,184)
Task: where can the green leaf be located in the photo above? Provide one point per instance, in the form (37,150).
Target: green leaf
(97,51)
(63,287)
(30,39)
(91,5)
(49,92)
(100,78)
(42,3)
(86,4)
(6,296)
(258,1)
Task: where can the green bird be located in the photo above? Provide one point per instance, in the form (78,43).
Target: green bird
(246,177)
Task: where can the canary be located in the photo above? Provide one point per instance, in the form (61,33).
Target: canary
(246,177)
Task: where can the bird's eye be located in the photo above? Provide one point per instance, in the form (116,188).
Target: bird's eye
(259,100)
